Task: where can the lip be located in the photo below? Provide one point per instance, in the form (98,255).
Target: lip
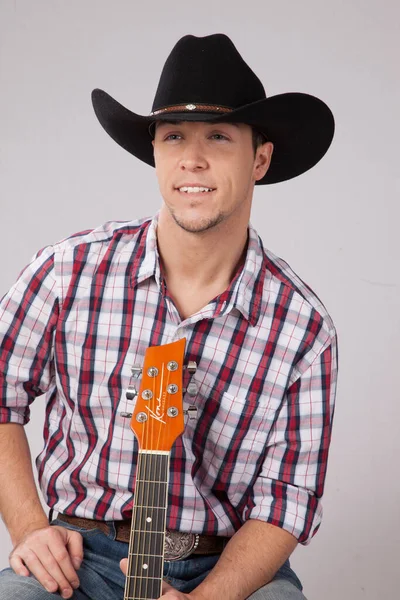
(193,184)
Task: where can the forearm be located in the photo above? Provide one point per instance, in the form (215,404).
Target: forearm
(249,561)
(20,505)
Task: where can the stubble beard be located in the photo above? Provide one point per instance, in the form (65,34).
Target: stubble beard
(199,225)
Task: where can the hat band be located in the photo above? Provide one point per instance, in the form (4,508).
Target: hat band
(191,108)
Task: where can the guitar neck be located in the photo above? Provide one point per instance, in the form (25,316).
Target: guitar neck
(146,545)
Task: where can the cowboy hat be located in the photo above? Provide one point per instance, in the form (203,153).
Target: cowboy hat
(206,79)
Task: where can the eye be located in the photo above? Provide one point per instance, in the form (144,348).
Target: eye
(219,136)
(172,137)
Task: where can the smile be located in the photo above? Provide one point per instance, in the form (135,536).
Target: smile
(195,190)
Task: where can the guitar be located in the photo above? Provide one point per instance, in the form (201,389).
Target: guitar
(157,421)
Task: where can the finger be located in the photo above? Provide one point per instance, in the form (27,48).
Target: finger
(48,565)
(18,566)
(32,562)
(124,565)
(57,561)
(75,548)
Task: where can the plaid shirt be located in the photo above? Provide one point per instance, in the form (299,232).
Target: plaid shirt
(85,310)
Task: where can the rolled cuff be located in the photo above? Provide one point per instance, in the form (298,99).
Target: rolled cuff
(296,510)
(14,415)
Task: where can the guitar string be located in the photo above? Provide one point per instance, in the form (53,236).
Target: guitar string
(164,500)
(139,516)
(145,476)
(132,564)
(147,486)
(163,481)
(131,537)
(135,515)
(139,503)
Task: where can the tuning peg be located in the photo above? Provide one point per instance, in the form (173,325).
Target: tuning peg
(191,367)
(191,389)
(126,415)
(131,392)
(191,412)
(136,371)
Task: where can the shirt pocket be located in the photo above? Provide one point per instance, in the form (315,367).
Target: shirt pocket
(228,435)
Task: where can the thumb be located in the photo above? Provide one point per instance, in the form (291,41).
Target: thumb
(166,587)
(75,547)
(124,565)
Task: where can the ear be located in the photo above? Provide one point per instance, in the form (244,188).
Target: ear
(262,160)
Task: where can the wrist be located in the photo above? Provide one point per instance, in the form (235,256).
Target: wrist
(17,533)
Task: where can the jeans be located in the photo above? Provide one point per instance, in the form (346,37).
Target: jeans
(101,578)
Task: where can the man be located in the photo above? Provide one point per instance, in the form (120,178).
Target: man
(248,474)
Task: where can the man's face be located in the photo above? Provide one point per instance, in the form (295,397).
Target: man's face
(216,157)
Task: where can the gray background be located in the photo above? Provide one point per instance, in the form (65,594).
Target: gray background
(336,225)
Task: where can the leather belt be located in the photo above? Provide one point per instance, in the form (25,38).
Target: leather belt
(178,544)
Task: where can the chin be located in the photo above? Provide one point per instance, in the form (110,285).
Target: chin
(198,224)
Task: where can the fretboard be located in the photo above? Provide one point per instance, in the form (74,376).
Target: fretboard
(146,546)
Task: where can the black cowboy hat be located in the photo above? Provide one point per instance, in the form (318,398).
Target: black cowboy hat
(206,79)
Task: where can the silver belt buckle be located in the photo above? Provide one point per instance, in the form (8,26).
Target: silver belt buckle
(179,544)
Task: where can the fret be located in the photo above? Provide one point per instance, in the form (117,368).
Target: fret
(149,517)
(144,565)
(148,506)
(137,589)
(151,494)
(144,531)
(147,481)
(149,543)
(140,577)
(153,467)
(148,554)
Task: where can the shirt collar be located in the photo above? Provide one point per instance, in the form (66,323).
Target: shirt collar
(146,262)
(245,290)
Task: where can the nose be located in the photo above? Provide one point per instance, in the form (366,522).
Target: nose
(193,158)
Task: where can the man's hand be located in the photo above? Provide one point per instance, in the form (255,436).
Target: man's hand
(52,554)
(168,592)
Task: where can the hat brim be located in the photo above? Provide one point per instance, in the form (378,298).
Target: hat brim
(300,126)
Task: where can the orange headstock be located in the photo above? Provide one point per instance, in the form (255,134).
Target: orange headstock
(158,416)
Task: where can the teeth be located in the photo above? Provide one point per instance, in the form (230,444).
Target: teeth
(194,190)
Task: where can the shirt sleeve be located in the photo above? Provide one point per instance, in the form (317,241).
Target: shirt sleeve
(28,316)
(288,490)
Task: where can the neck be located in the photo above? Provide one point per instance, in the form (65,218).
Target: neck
(202,260)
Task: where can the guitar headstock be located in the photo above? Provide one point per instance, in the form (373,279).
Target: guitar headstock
(158,416)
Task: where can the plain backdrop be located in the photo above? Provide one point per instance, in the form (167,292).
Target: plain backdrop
(337,225)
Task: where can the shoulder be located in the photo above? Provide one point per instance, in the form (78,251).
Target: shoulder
(285,293)
(104,234)
(75,259)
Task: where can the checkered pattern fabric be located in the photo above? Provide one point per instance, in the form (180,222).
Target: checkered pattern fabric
(85,310)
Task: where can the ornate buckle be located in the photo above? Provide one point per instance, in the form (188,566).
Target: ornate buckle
(179,545)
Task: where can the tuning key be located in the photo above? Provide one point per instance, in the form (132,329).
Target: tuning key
(191,367)
(192,388)
(126,415)
(191,412)
(136,371)
(131,392)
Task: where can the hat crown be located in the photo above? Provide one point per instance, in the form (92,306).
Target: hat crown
(207,70)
